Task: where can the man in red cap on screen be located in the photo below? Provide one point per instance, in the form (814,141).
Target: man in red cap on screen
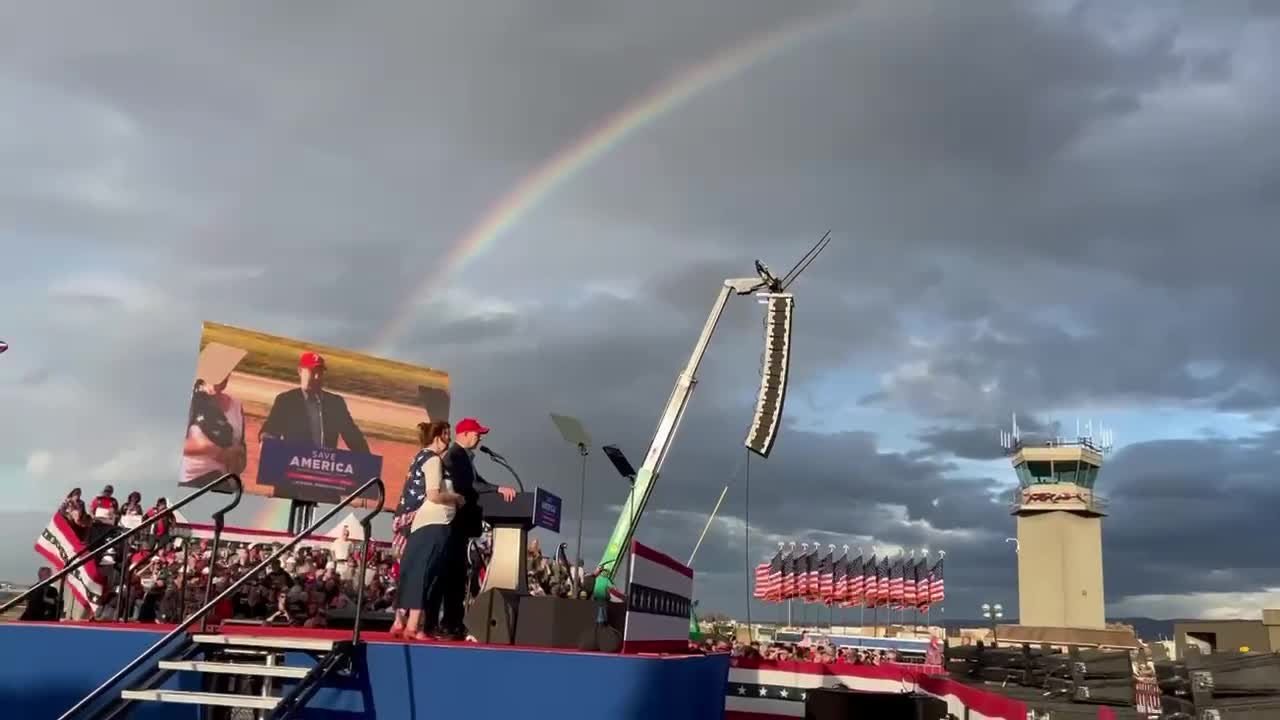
(450,592)
(312,415)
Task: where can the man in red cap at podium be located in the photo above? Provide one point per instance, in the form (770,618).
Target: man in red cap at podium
(450,592)
(312,415)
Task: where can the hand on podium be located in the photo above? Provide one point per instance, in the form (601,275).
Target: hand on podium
(507,493)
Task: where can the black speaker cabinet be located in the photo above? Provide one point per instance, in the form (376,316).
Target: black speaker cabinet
(492,616)
(570,623)
(369,621)
(841,704)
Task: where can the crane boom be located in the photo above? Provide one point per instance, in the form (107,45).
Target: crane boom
(668,424)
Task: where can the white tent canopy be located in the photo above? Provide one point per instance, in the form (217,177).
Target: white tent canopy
(352,523)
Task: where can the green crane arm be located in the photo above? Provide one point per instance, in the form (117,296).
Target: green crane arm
(668,424)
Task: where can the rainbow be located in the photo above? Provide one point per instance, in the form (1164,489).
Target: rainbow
(273,515)
(503,215)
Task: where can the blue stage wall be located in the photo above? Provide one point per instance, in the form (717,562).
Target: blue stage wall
(48,668)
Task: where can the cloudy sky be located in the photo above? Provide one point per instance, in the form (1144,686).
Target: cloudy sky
(1060,209)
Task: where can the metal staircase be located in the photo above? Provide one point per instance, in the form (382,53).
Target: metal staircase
(238,670)
(247,672)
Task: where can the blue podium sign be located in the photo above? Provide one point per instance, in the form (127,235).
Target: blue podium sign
(546,511)
(305,472)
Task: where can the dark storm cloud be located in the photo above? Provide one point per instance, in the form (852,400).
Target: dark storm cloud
(1182,508)
(982,443)
(1033,208)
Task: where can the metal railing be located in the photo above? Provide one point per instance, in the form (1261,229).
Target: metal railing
(92,553)
(199,615)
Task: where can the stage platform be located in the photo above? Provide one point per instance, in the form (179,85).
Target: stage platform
(48,667)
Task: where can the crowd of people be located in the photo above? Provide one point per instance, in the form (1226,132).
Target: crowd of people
(800,652)
(171,574)
(166,582)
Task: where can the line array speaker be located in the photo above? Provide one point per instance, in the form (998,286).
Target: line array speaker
(773,379)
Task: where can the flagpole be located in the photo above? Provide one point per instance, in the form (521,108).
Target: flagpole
(902,571)
(903,613)
(875,609)
(928,589)
(791,553)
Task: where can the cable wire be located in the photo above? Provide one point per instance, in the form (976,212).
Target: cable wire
(746,532)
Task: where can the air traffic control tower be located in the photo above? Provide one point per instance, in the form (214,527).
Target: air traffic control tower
(1059,529)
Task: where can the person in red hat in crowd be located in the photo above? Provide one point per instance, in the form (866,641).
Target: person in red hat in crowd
(105,508)
(159,531)
(312,415)
(449,592)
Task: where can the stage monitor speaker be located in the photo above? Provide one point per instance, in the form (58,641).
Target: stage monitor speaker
(493,616)
(773,380)
(569,623)
(369,621)
(842,704)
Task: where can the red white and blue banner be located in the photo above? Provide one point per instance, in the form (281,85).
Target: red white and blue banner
(659,600)
(59,544)
(771,690)
(1147,697)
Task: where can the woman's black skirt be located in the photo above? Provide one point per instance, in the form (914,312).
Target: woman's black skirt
(420,565)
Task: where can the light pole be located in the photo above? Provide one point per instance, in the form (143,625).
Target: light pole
(993,613)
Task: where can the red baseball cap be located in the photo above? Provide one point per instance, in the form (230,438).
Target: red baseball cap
(466,425)
(311,360)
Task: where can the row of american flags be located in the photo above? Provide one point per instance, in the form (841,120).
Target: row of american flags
(899,582)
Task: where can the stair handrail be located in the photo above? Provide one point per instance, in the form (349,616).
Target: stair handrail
(366,528)
(219,523)
(133,665)
(94,552)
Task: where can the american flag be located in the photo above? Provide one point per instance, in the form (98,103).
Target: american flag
(790,588)
(870,586)
(766,587)
(411,498)
(775,576)
(812,584)
(896,582)
(937,590)
(796,578)
(853,582)
(838,574)
(800,572)
(761,590)
(909,582)
(922,584)
(826,576)
(882,581)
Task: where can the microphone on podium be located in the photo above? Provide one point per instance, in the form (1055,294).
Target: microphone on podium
(504,463)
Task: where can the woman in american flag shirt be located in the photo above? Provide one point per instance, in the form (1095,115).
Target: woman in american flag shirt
(411,499)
